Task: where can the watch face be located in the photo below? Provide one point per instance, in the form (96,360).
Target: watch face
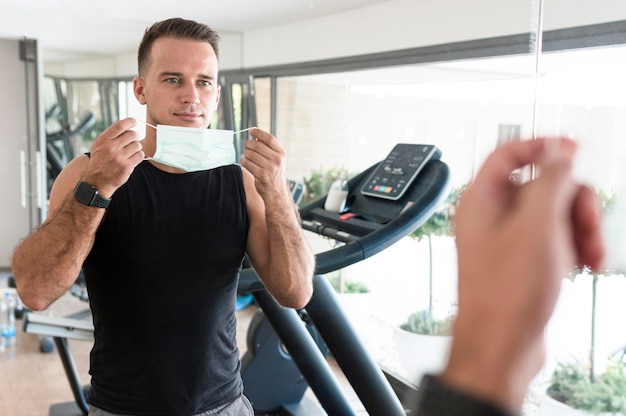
(88,195)
(84,193)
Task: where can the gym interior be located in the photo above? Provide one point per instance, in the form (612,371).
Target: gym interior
(350,89)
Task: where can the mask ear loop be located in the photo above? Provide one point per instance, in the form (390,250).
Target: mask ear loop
(147,124)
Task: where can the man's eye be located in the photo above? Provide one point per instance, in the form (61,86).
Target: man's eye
(205,83)
(172,80)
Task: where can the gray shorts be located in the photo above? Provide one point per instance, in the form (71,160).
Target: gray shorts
(238,407)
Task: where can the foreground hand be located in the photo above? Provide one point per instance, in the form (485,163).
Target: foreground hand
(515,245)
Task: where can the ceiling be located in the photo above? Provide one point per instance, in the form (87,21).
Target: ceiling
(69,29)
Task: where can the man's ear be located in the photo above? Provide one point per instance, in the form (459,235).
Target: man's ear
(138,89)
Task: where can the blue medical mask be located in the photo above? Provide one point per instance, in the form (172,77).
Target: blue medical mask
(193,149)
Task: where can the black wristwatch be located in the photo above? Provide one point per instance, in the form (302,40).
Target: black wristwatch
(88,195)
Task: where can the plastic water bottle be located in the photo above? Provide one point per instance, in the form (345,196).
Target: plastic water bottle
(7,319)
(337,195)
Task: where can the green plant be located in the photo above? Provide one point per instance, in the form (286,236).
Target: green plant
(579,386)
(440,224)
(346,286)
(607,201)
(572,386)
(318,183)
(422,322)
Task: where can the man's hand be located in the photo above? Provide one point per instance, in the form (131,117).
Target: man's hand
(114,156)
(276,246)
(264,157)
(515,244)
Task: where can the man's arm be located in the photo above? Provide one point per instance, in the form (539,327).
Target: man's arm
(515,243)
(47,262)
(277,246)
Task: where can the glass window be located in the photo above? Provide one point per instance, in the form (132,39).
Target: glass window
(76,112)
(579,96)
(263,100)
(350,120)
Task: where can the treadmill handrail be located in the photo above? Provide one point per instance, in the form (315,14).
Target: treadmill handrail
(437,178)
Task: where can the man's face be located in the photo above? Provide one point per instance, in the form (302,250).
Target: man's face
(179,86)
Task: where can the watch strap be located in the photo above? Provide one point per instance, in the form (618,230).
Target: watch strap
(100,201)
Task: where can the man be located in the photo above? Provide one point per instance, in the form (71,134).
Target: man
(162,261)
(515,244)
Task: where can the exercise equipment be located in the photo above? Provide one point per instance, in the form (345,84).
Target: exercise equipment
(77,326)
(46,344)
(59,149)
(291,352)
(287,348)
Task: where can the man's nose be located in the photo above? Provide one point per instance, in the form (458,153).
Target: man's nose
(190,95)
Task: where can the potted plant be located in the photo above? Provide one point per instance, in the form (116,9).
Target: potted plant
(571,388)
(346,286)
(439,224)
(422,344)
(354,297)
(318,183)
(576,390)
(423,322)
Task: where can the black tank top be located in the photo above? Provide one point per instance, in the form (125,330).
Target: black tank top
(162,280)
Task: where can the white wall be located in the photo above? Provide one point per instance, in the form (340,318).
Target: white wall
(19,136)
(403,24)
(393,25)
(383,27)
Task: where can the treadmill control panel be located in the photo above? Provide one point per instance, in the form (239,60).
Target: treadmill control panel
(394,175)
(296,189)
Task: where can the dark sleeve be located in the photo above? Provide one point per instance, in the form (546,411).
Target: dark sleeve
(436,399)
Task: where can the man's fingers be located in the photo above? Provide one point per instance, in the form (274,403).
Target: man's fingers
(265,138)
(492,190)
(117,129)
(259,134)
(554,184)
(505,159)
(586,217)
(516,155)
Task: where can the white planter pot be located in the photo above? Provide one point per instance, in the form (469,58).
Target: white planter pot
(419,354)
